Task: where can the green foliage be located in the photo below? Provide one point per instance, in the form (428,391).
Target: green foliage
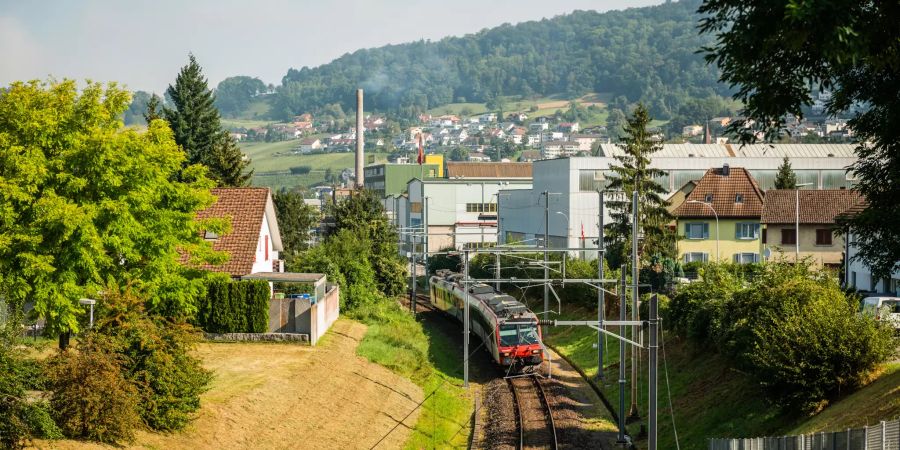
(134,115)
(785,178)
(235,306)
(85,200)
(295,220)
(154,354)
(234,94)
(776,52)
(40,421)
(91,398)
(632,172)
(15,428)
(195,123)
(791,328)
(575,54)
(458,154)
(438,262)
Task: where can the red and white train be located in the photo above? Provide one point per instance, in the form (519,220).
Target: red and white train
(508,329)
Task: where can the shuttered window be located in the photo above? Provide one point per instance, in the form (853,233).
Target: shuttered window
(823,236)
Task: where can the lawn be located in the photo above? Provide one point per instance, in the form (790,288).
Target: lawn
(271,395)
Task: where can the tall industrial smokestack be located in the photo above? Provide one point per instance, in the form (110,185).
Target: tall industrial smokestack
(360,141)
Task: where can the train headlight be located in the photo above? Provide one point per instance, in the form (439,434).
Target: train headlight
(535,352)
(505,353)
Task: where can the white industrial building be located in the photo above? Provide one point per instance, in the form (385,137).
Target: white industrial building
(459,213)
(859,275)
(572,184)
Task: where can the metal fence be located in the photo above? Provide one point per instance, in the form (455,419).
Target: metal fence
(883,436)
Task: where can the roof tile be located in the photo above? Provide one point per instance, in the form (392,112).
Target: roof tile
(816,206)
(246,208)
(724,190)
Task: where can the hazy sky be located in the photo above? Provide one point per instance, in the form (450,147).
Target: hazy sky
(143,44)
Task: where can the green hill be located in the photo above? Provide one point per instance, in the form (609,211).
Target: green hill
(639,54)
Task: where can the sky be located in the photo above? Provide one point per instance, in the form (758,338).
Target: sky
(142,44)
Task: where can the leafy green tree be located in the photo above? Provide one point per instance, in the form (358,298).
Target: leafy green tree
(614,123)
(85,201)
(458,154)
(775,50)
(234,94)
(785,178)
(153,111)
(633,173)
(135,112)
(195,122)
(295,220)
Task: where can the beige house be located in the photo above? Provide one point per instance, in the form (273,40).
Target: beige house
(818,237)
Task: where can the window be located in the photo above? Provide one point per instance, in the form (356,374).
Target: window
(481,207)
(210,236)
(696,257)
(823,236)
(788,236)
(591,180)
(696,230)
(746,258)
(738,198)
(266,239)
(709,198)
(853,279)
(765,237)
(746,231)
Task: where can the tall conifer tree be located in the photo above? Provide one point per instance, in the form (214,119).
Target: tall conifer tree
(633,172)
(786,178)
(195,122)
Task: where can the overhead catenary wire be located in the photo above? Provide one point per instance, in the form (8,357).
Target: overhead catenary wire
(669,389)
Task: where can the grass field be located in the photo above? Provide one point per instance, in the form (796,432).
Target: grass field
(271,163)
(271,395)
(711,399)
(430,358)
(546,105)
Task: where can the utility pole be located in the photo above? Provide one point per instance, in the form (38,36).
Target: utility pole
(412,278)
(497,270)
(622,300)
(601,294)
(546,246)
(635,295)
(654,361)
(466,319)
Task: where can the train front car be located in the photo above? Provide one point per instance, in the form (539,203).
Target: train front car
(519,341)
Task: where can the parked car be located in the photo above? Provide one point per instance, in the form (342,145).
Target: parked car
(883,308)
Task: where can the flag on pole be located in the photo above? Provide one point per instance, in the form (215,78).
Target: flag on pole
(421,157)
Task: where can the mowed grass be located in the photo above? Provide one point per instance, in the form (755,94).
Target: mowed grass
(546,106)
(429,358)
(712,399)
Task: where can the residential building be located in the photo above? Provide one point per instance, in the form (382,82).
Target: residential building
(309,144)
(692,130)
(585,141)
(819,238)
(556,149)
(569,127)
(254,240)
(538,127)
(478,157)
(720,218)
(391,179)
(530,156)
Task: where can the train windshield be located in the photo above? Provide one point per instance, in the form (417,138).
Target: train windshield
(518,334)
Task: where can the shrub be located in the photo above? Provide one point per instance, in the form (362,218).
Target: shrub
(438,262)
(300,170)
(40,421)
(91,399)
(235,306)
(155,356)
(15,428)
(664,304)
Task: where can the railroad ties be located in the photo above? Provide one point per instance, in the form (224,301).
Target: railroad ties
(534,418)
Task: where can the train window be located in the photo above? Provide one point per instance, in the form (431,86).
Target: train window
(508,336)
(528,334)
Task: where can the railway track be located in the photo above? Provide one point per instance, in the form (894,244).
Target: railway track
(533,416)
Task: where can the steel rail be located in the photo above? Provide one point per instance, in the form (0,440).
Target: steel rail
(518,413)
(543,397)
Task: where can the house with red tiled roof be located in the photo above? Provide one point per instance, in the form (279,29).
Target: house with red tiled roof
(254,240)
(816,211)
(719,219)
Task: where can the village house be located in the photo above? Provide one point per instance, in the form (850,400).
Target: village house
(568,127)
(556,149)
(254,241)
(307,145)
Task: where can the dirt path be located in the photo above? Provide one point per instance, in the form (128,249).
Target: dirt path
(277,396)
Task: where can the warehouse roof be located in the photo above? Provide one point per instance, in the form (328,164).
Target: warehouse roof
(745,151)
(489,169)
(731,192)
(816,206)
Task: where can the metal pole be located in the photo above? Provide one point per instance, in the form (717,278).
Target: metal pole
(654,355)
(412,291)
(797,226)
(546,246)
(600,293)
(497,270)
(360,139)
(425,230)
(622,300)
(635,295)
(466,319)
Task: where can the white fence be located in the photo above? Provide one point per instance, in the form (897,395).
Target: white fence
(883,436)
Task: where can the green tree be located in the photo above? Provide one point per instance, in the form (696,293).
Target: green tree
(614,124)
(85,201)
(195,122)
(295,220)
(153,111)
(234,94)
(785,178)
(774,51)
(633,173)
(135,112)
(458,154)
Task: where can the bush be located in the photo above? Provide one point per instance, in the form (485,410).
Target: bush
(91,399)
(235,306)
(300,170)
(40,421)
(15,429)
(155,357)
(663,307)
(438,262)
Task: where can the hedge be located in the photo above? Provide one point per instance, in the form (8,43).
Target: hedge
(235,307)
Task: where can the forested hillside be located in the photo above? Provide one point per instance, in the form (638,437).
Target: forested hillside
(640,54)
